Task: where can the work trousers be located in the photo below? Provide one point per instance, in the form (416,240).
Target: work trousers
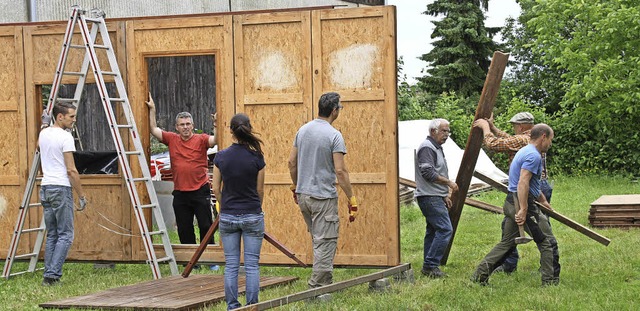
(321,217)
(511,262)
(537,225)
(58,218)
(186,205)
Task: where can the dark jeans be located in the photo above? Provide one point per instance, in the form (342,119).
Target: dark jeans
(511,262)
(187,204)
(439,229)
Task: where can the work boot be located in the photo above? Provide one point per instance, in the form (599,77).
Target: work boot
(434,273)
(50,281)
(481,280)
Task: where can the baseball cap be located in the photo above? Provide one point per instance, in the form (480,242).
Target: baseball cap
(522,117)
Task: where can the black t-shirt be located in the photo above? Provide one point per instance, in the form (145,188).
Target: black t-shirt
(239,168)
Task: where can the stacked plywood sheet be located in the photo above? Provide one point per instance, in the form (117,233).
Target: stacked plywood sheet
(615,211)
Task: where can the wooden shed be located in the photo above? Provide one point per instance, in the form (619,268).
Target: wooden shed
(272,66)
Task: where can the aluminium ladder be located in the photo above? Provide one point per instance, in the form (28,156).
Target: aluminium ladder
(90,36)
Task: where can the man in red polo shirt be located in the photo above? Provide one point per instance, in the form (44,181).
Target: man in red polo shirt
(188,154)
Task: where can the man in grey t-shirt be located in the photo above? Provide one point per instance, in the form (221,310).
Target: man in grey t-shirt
(316,159)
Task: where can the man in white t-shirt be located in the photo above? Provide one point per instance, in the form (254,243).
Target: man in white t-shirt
(60,175)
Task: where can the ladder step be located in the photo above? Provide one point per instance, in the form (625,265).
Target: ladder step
(164,259)
(38,229)
(156,232)
(109,73)
(73,73)
(35,204)
(25,256)
(97,46)
(147,205)
(23,272)
(121,100)
(76,46)
(132,152)
(128,126)
(93,20)
(140,179)
(66,100)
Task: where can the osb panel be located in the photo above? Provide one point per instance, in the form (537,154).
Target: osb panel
(273,58)
(46,53)
(10,157)
(10,197)
(353,54)
(362,126)
(7,75)
(277,136)
(178,39)
(284,222)
(102,228)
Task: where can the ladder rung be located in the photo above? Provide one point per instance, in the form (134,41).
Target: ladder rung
(23,272)
(124,126)
(156,232)
(93,20)
(73,73)
(132,152)
(109,73)
(147,205)
(24,256)
(164,259)
(77,46)
(122,100)
(140,179)
(33,230)
(104,47)
(66,100)
(34,204)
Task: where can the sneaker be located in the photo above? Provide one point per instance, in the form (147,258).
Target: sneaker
(50,281)
(434,273)
(553,282)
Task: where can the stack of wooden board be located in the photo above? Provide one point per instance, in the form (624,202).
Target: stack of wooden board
(615,211)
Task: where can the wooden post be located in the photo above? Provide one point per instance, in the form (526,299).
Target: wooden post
(474,142)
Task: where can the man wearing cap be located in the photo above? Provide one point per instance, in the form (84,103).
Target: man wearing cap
(499,141)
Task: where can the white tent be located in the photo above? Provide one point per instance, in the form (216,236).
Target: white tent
(412,133)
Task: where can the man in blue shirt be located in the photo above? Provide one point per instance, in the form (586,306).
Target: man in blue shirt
(524,186)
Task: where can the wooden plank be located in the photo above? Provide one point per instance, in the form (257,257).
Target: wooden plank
(551,213)
(171,293)
(625,199)
(314,292)
(483,206)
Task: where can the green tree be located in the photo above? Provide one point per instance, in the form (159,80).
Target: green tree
(597,45)
(529,77)
(460,58)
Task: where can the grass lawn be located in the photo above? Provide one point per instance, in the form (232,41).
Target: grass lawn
(594,277)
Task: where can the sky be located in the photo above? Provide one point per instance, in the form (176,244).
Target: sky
(414,29)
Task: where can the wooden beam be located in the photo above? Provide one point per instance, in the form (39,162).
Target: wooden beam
(314,292)
(471,202)
(552,213)
(474,142)
(483,206)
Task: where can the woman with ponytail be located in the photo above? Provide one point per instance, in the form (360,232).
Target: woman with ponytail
(238,183)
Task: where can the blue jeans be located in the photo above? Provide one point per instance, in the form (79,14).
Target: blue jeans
(439,230)
(249,227)
(58,218)
(511,262)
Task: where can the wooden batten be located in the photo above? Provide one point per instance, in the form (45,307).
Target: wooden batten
(272,66)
